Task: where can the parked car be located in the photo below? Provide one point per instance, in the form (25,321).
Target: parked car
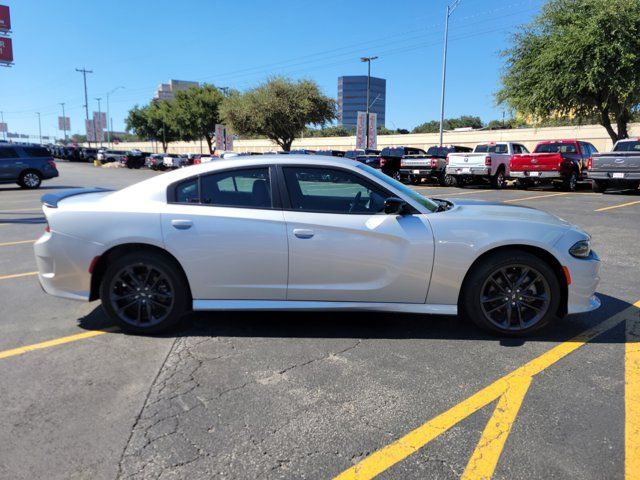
(155,161)
(618,168)
(134,159)
(26,165)
(431,165)
(302,151)
(72,153)
(88,154)
(372,160)
(107,156)
(488,162)
(390,159)
(331,153)
(148,254)
(361,151)
(172,160)
(561,162)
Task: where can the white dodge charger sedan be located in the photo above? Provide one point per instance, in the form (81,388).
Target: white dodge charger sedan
(309,233)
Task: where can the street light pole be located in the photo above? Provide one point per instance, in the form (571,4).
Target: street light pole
(100,121)
(450,9)
(39,127)
(368,60)
(109,121)
(64,122)
(2,121)
(84,72)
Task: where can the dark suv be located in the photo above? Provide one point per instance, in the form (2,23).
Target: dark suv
(390,158)
(26,165)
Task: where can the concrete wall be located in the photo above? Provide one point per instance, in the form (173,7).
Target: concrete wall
(528,136)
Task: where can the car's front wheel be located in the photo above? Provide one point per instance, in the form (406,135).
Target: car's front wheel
(30,179)
(512,293)
(144,292)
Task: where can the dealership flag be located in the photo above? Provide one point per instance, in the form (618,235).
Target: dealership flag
(220,137)
(91,133)
(6,50)
(228,141)
(64,123)
(361,138)
(3,127)
(373,130)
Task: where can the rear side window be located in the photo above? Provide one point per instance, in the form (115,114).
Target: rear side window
(188,192)
(36,152)
(8,153)
(248,188)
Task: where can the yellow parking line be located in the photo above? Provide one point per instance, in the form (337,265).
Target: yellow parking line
(19,242)
(455,194)
(53,343)
(485,457)
(617,206)
(632,399)
(536,197)
(17,275)
(393,453)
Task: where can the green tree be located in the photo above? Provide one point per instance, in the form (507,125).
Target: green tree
(464,121)
(195,113)
(154,121)
(577,58)
(279,109)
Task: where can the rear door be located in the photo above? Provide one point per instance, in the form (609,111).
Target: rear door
(228,232)
(10,163)
(342,248)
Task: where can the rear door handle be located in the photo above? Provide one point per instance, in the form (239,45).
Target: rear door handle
(302,233)
(182,224)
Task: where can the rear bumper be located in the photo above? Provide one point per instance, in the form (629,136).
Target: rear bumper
(540,175)
(471,171)
(63,265)
(628,176)
(420,172)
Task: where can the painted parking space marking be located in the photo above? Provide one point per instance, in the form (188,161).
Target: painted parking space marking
(413,441)
(632,400)
(535,197)
(17,275)
(18,242)
(54,343)
(628,204)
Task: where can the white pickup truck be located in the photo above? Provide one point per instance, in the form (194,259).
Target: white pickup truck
(489,162)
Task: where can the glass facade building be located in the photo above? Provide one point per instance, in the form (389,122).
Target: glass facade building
(352,98)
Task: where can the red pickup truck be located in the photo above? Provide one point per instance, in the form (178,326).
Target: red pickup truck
(562,162)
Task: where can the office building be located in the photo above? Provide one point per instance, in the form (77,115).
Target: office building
(352,98)
(166,91)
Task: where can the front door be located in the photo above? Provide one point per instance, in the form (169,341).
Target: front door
(228,236)
(342,248)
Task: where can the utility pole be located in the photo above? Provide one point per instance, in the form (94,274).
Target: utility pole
(2,121)
(99,120)
(109,121)
(39,127)
(450,9)
(64,122)
(368,60)
(84,72)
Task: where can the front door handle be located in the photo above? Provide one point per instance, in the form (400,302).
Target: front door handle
(302,233)
(182,224)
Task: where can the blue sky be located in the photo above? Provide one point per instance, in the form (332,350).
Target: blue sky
(138,44)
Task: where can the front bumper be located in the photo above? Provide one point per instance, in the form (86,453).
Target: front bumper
(63,265)
(584,281)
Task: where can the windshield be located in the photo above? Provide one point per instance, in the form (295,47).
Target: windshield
(632,146)
(556,148)
(387,180)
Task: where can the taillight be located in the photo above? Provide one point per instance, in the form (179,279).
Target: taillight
(47,228)
(434,162)
(383,162)
(52,164)
(589,163)
(487,161)
(446,161)
(196,161)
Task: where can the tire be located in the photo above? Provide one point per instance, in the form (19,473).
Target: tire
(570,183)
(599,186)
(498,181)
(451,181)
(30,179)
(482,298)
(166,297)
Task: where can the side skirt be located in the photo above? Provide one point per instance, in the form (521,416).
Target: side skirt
(204,305)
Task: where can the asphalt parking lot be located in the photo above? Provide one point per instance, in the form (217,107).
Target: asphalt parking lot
(292,395)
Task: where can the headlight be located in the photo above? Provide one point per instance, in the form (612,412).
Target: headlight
(581,249)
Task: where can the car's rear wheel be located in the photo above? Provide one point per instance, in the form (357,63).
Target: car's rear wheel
(30,179)
(144,292)
(599,186)
(499,181)
(570,183)
(512,293)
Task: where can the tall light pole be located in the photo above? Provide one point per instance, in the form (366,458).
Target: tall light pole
(64,122)
(368,60)
(109,121)
(450,9)
(2,121)
(84,72)
(39,127)
(99,120)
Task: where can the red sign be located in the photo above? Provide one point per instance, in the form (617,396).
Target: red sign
(5,19)
(6,50)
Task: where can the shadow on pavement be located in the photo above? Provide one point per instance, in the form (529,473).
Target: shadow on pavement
(367,325)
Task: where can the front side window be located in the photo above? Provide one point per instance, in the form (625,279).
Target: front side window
(327,190)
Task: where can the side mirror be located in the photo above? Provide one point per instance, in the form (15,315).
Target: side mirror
(395,206)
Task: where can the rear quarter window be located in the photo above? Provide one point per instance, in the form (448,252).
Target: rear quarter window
(36,152)
(8,153)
